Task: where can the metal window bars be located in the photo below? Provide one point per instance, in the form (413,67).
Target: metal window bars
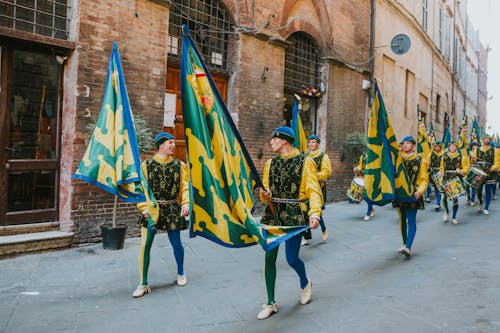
(302,63)
(209,25)
(43,17)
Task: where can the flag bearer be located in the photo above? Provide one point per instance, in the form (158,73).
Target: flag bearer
(293,194)
(168,178)
(416,168)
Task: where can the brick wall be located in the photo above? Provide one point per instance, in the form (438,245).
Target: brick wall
(140,29)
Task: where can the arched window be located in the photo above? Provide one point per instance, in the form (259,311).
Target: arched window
(303,77)
(210,26)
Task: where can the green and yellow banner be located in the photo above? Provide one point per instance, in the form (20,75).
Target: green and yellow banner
(223,175)
(385,178)
(423,143)
(112,160)
(296,124)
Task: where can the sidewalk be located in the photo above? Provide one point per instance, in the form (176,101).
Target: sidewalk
(360,282)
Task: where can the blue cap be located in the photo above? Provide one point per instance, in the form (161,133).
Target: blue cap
(285,133)
(473,143)
(408,138)
(314,137)
(452,142)
(162,137)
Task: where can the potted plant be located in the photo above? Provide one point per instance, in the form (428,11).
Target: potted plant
(113,235)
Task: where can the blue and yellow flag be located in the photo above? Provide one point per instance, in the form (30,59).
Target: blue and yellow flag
(386,179)
(423,144)
(463,142)
(223,175)
(112,160)
(446,133)
(296,124)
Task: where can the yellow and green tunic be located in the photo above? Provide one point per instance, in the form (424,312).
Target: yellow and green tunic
(295,190)
(434,162)
(485,157)
(452,161)
(417,170)
(168,179)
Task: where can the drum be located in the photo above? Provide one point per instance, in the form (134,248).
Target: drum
(438,181)
(453,188)
(355,191)
(476,177)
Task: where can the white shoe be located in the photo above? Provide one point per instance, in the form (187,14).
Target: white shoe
(454,221)
(141,291)
(324,234)
(486,212)
(372,213)
(445,217)
(427,200)
(406,251)
(267,311)
(472,204)
(366,218)
(479,208)
(305,242)
(181,280)
(306,293)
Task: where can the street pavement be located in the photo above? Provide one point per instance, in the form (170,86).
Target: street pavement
(360,282)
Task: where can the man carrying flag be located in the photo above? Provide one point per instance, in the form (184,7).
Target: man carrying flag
(394,172)
(292,192)
(168,178)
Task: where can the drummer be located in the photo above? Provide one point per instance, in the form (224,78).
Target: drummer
(471,190)
(360,169)
(488,160)
(434,159)
(453,164)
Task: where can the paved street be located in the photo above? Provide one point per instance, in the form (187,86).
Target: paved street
(360,282)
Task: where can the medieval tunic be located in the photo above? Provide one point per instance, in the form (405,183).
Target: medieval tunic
(450,162)
(434,163)
(168,179)
(416,168)
(485,158)
(295,190)
(324,168)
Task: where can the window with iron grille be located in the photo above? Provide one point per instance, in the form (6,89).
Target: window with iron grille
(209,25)
(302,77)
(302,63)
(41,17)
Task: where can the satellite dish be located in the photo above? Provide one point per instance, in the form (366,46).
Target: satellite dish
(400,44)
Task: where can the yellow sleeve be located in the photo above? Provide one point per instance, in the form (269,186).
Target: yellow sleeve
(143,206)
(465,165)
(325,170)
(361,164)
(265,179)
(310,189)
(496,159)
(423,177)
(184,190)
(441,165)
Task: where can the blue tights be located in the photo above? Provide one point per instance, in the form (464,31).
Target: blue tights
(292,247)
(408,225)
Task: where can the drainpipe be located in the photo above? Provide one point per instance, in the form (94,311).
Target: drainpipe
(372,62)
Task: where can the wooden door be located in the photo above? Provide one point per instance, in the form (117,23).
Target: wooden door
(173,87)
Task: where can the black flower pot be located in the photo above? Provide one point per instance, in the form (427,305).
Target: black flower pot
(113,238)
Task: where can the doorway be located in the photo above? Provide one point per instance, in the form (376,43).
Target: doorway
(30,100)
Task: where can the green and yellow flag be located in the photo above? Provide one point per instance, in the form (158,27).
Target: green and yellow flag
(296,124)
(475,132)
(112,160)
(223,175)
(423,144)
(430,135)
(446,133)
(386,179)
(463,142)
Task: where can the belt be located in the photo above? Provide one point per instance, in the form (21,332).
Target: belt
(164,202)
(450,171)
(283,200)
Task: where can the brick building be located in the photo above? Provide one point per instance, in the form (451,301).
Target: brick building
(260,54)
